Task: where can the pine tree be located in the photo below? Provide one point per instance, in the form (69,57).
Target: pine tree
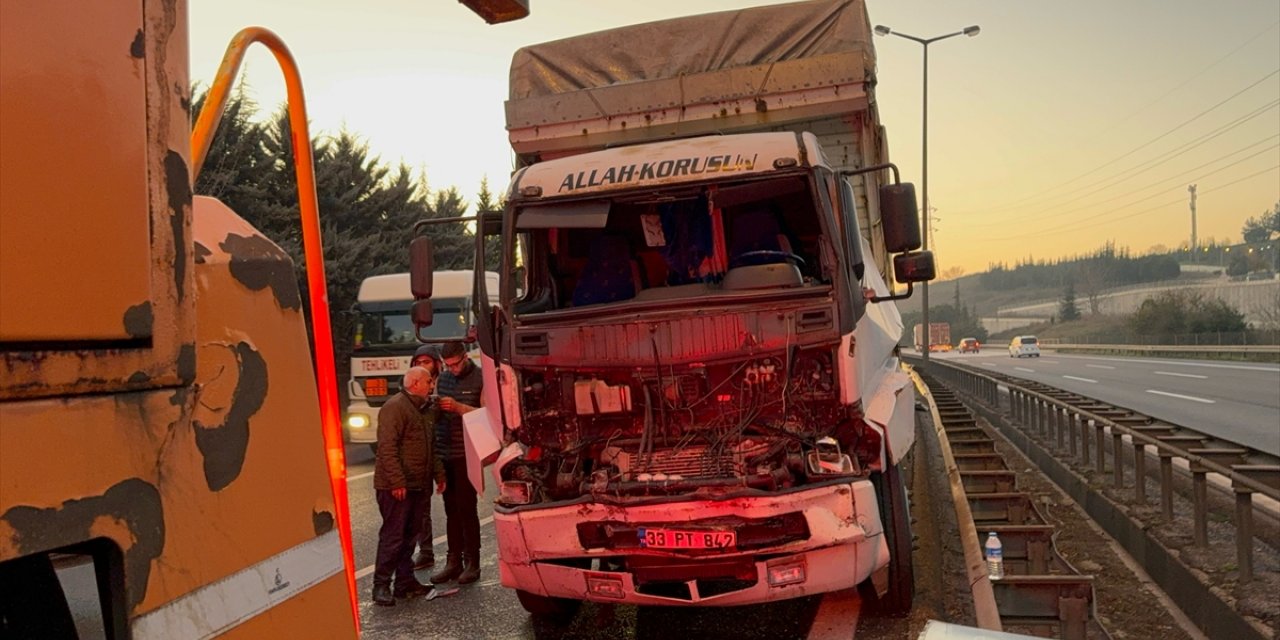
(1067,309)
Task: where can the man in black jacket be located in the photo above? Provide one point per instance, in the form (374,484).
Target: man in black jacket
(460,385)
(427,356)
(402,473)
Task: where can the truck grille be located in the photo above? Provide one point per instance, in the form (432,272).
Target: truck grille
(693,461)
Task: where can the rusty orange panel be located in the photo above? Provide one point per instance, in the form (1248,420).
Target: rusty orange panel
(95,245)
(74,162)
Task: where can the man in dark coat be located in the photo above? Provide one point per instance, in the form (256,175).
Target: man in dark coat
(427,356)
(460,385)
(402,474)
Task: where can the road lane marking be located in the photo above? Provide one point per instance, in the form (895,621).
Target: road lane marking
(1179,395)
(1174,363)
(1049,361)
(359,475)
(988,364)
(1181,375)
(1025,369)
(435,542)
(1081,379)
(1099,366)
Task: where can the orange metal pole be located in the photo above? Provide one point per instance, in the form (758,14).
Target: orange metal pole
(326,372)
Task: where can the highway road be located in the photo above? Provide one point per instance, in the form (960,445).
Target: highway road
(1237,401)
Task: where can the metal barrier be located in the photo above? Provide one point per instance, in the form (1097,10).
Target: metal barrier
(1055,428)
(1079,424)
(1040,591)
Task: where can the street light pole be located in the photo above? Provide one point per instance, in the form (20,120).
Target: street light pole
(970,31)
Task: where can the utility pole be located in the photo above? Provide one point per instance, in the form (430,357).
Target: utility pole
(1192,190)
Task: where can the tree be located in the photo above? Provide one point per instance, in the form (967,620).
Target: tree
(1263,227)
(1094,278)
(1239,264)
(1067,310)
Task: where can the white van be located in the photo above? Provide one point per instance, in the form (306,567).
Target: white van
(1024,346)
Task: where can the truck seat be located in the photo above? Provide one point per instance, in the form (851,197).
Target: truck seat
(610,274)
(756,229)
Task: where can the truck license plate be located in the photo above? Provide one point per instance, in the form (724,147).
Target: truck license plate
(656,538)
(375,386)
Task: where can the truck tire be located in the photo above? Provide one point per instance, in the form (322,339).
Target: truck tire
(373,448)
(554,611)
(895,515)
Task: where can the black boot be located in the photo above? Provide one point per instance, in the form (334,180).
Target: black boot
(470,570)
(382,595)
(452,567)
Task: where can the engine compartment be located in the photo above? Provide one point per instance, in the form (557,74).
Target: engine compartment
(760,422)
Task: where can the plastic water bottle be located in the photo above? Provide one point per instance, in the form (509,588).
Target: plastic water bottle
(995,556)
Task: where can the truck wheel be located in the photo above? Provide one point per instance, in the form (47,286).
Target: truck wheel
(555,611)
(895,514)
(373,448)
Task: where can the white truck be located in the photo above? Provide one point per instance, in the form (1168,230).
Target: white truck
(691,366)
(385,339)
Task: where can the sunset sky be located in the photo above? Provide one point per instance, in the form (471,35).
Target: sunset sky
(1062,126)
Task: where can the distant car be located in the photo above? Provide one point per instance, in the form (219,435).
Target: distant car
(939,348)
(969,345)
(1024,346)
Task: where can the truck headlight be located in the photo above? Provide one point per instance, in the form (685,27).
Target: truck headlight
(357,421)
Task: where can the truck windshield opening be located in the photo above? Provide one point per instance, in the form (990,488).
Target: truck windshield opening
(689,244)
(393,326)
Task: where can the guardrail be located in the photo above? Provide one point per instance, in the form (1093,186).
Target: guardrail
(1040,592)
(986,612)
(1073,422)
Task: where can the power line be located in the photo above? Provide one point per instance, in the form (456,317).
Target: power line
(1143,167)
(1152,164)
(1140,147)
(1069,226)
(1190,78)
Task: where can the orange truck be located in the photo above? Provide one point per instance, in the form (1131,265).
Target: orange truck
(939,337)
(167,451)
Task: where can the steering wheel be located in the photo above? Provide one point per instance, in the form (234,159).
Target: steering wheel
(768,253)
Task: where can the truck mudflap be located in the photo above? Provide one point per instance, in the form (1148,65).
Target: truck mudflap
(545,551)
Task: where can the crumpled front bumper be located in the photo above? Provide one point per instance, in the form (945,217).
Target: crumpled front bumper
(845,546)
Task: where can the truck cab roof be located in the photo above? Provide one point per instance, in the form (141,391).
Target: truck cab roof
(666,163)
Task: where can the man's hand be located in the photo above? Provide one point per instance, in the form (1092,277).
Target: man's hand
(453,406)
(400,493)
(440,484)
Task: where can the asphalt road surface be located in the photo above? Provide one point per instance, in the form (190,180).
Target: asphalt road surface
(1236,401)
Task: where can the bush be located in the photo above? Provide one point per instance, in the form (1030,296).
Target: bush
(1174,312)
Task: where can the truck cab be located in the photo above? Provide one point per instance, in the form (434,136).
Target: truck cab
(691,369)
(385,339)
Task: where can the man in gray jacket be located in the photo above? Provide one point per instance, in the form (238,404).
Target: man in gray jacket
(402,474)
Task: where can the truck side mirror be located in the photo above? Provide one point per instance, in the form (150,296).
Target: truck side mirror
(421,313)
(421,267)
(914,267)
(900,217)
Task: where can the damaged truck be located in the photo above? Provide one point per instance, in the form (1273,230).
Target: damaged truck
(690,372)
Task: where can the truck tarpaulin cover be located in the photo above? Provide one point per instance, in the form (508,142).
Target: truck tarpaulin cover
(763,37)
